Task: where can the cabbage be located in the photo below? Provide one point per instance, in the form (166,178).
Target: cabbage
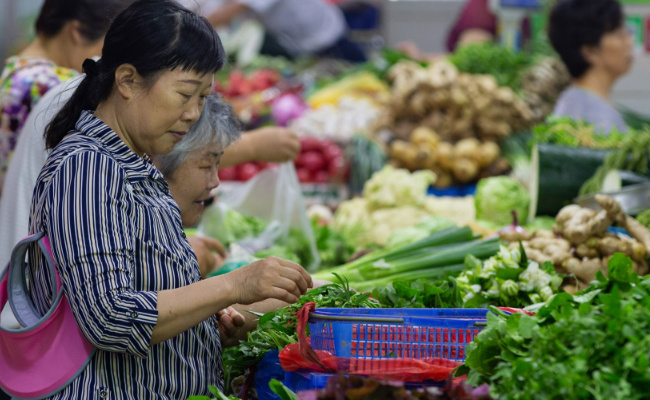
(497,197)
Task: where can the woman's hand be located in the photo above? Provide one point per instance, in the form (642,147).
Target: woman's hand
(270,278)
(274,144)
(231,325)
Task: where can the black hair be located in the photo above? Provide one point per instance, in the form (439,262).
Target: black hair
(95,16)
(151,35)
(577,23)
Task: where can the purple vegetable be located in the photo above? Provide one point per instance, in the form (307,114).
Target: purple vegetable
(286,108)
(514,227)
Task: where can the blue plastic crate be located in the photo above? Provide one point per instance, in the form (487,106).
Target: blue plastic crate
(300,381)
(390,333)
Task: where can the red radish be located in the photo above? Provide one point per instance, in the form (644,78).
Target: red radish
(308,143)
(311,160)
(332,151)
(304,176)
(263,165)
(336,167)
(228,173)
(321,177)
(246,171)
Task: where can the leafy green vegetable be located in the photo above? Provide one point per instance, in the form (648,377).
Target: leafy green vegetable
(428,258)
(420,294)
(507,280)
(504,64)
(275,330)
(278,251)
(332,247)
(594,345)
(497,197)
(282,391)
(566,131)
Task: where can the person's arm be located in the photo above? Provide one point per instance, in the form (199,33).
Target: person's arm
(269,144)
(475,35)
(93,241)
(226,13)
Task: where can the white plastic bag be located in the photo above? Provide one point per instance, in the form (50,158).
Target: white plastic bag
(274,195)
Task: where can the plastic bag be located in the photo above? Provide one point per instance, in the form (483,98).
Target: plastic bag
(273,196)
(268,368)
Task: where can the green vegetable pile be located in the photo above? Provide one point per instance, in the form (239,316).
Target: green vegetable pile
(420,293)
(507,280)
(594,345)
(633,155)
(566,131)
(504,64)
(332,247)
(434,257)
(235,226)
(497,197)
(277,329)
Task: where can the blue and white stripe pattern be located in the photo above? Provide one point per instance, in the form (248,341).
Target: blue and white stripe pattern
(117,240)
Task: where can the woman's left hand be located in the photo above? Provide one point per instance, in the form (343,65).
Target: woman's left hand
(231,323)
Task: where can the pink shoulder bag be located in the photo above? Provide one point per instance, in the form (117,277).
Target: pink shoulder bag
(48,351)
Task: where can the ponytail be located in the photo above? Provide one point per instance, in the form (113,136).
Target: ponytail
(94,88)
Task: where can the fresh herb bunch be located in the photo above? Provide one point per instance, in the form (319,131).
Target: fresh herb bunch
(277,329)
(504,64)
(566,131)
(420,294)
(594,345)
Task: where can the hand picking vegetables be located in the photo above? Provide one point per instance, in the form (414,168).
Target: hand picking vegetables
(593,345)
(277,329)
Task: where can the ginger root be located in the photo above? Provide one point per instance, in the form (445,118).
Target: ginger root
(615,213)
(578,224)
(586,269)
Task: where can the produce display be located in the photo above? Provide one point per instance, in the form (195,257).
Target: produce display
(338,122)
(319,161)
(508,279)
(538,80)
(498,197)
(575,133)
(581,245)
(434,257)
(392,199)
(421,293)
(589,346)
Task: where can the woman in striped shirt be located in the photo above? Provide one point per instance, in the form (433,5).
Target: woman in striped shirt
(128,272)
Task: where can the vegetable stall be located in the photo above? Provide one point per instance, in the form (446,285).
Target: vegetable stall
(439,194)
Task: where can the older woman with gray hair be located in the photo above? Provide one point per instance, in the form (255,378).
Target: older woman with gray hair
(191,170)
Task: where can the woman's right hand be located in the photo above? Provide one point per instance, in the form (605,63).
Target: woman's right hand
(270,278)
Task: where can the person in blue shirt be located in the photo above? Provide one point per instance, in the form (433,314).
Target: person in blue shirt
(591,38)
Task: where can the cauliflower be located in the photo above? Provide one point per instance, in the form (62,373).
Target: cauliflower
(392,187)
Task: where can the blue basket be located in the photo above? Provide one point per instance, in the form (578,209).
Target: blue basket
(390,333)
(300,381)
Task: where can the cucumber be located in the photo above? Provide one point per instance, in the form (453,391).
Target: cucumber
(559,172)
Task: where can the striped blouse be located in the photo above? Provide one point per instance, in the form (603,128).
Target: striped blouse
(117,239)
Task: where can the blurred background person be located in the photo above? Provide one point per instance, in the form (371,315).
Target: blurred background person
(591,38)
(67,32)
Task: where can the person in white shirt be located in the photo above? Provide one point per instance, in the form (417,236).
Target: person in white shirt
(301,27)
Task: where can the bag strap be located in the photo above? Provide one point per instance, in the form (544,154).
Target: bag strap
(18,293)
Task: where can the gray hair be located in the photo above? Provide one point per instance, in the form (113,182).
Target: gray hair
(217,124)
